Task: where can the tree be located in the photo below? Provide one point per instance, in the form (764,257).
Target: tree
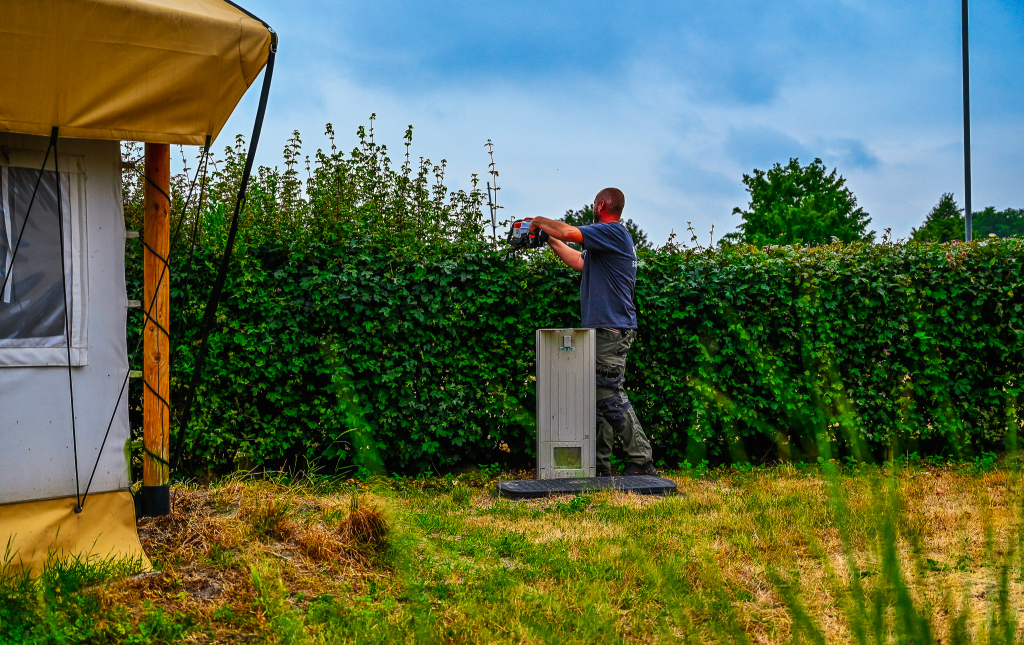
(585,216)
(796,204)
(1007,223)
(944,224)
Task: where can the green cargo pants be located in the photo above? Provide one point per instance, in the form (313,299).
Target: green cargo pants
(615,415)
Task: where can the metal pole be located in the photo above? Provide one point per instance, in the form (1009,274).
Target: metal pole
(494,221)
(969,220)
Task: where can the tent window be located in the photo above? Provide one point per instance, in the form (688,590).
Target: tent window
(32,304)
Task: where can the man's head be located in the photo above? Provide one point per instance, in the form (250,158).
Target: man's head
(608,205)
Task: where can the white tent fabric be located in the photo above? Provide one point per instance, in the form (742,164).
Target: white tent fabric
(168,71)
(36,450)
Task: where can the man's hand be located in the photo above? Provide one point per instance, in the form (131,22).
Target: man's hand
(572,258)
(556,229)
(560,232)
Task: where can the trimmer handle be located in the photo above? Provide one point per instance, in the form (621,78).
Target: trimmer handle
(519,235)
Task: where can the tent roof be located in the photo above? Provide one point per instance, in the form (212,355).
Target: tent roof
(163,71)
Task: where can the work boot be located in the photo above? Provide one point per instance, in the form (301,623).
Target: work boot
(641,469)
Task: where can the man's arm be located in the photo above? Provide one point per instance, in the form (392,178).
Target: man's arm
(572,258)
(556,229)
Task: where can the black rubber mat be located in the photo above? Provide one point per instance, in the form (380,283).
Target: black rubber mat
(531,488)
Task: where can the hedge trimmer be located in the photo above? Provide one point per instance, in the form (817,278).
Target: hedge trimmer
(519,236)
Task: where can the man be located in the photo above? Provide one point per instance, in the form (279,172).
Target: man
(608,263)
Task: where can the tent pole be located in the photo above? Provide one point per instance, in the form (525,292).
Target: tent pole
(156,413)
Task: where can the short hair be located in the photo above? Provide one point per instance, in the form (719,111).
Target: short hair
(613,200)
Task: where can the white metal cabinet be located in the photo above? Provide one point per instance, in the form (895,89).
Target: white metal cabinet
(566,413)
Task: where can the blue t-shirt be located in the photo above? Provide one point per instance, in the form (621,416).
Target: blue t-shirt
(609,276)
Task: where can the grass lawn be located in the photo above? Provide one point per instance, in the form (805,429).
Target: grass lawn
(768,555)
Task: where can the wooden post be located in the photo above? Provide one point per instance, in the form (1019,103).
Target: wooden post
(156,415)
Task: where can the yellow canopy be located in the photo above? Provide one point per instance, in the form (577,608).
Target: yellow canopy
(163,71)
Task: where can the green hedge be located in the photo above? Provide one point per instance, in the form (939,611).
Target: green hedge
(343,353)
(864,351)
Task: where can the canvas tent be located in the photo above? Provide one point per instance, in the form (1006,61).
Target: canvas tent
(85,75)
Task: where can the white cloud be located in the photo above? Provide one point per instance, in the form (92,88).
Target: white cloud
(674,120)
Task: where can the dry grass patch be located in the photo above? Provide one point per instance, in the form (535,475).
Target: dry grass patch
(240,556)
(769,556)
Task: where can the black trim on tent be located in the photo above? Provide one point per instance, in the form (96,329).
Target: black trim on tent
(218,285)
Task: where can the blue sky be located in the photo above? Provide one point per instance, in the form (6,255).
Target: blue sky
(670,101)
